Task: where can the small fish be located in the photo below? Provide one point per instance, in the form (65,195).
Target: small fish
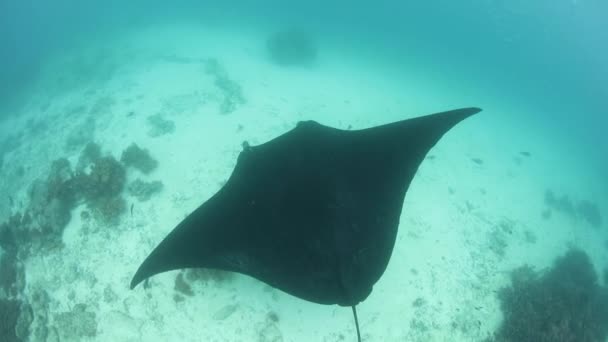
(477,161)
(525,153)
(132,204)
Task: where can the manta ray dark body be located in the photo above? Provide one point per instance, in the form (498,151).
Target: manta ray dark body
(313,212)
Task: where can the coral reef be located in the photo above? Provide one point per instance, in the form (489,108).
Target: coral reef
(76,324)
(108,209)
(291,47)
(47,214)
(224,312)
(208,274)
(563,204)
(563,304)
(88,156)
(53,198)
(134,156)
(9,316)
(269,332)
(231,91)
(102,106)
(233,95)
(589,212)
(182,286)
(272,316)
(39,301)
(58,182)
(80,135)
(144,190)
(584,209)
(159,126)
(107,178)
(12,274)
(8,229)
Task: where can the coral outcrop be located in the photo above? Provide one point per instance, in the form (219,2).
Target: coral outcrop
(563,304)
(136,157)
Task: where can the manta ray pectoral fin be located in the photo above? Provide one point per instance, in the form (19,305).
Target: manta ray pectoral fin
(313,212)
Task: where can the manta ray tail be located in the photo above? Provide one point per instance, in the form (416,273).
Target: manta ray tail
(356,323)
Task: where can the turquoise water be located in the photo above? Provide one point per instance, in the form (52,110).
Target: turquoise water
(522,183)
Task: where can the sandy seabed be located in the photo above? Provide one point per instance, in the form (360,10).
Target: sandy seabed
(472,213)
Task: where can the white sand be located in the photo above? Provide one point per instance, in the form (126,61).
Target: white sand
(443,250)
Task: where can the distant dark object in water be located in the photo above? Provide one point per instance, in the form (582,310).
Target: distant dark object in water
(565,303)
(477,161)
(525,153)
(292,47)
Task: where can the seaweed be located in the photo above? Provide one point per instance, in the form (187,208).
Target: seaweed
(565,303)
(292,47)
(144,190)
(134,156)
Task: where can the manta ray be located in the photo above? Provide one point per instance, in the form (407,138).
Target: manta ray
(313,212)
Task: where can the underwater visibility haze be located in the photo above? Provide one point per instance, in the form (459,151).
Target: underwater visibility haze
(119,119)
